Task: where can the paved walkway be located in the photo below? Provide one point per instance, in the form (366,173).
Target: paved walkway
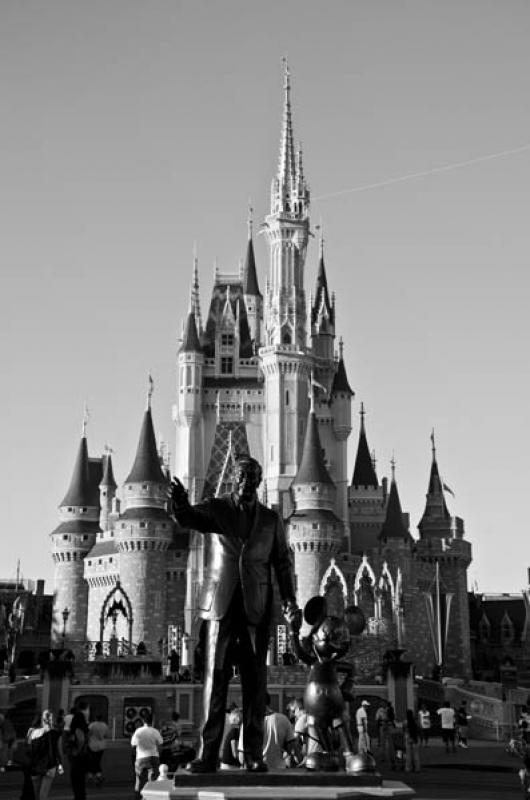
(480,755)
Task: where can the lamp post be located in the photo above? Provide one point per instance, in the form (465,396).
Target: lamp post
(65,615)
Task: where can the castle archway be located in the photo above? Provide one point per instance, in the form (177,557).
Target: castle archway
(116,618)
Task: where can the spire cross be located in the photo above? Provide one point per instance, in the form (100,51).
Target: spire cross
(150,390)
(86,416)
(433,445)
(286,74)
(393,466)
(362,413)
(341,348)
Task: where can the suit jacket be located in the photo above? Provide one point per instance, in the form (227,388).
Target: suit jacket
(247,561)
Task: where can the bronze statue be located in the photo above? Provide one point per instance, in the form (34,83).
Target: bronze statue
(324,700)
(246,542)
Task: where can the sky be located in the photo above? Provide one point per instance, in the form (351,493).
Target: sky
(131,130)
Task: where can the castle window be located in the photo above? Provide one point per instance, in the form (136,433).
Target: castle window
(227,365)
(110,560)
(142,524)
(65,536)
(85,537)
(227,339)
(89,563)
(83,510)
(100,561)
(287,397)
(145,486)
(70,508)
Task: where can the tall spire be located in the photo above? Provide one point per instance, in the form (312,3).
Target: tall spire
(108,479)
(435,507)
(364,473)
(190,336)
(286,165)
(195,292)
(250,278)
(321,308)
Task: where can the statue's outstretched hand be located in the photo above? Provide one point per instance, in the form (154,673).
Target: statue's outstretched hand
(179,496)
(292,615)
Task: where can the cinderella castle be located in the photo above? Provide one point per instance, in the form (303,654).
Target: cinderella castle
(264,373)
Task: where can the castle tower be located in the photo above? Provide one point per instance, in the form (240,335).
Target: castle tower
(71,541)
(107,492)
(323,320)
(251,293)
(143,534)
(189,464)
(315,532)
(285,363)
(367,497)
(442,544)
(341,397)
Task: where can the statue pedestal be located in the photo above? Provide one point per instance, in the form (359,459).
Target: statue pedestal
(294,784)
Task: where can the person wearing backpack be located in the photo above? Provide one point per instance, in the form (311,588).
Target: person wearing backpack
(77,751)
(45,755)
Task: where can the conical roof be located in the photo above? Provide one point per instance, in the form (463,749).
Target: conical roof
(82,490)
(340,380)
(146,465)
(322,294)
(190,340)
(393,526)
(364,472)
(250,278)
(312,468)
(108,480)
(435,506)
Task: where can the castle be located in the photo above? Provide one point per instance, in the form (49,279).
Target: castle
(264,375)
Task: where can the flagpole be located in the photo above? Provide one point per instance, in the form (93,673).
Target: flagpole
(438,618)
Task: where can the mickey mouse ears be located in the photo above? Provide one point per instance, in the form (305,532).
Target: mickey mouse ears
(315,610)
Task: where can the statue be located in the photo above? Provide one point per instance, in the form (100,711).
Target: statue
(246,541)
(324,699)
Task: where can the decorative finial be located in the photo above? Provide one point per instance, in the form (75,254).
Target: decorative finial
(108,449)
(362,414)
(250,219)
(341,348)
(286,74)
(150,390)
(321,227)
(86,415)
(433,446)
(215,271)
(393,466)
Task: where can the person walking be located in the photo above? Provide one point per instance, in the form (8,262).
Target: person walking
(361,721)
(424,725)
(412,743)
(45,755)
(174,666)
(76,745)
(147,741)
(388,725)
(462,724)
(448,719)
(98,732)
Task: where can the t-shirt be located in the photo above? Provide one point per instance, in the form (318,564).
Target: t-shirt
(361,718)
(447,717)
(97,733)
(425,719)
(277,734)
(147,740)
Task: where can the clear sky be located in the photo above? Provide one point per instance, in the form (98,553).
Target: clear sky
(130,130)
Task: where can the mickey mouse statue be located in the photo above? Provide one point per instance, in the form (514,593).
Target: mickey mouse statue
(328,640)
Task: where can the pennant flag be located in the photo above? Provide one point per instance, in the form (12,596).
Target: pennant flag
(447,489)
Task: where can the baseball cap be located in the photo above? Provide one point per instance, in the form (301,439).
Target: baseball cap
(365,703)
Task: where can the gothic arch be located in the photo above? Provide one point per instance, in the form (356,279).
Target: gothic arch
(364,567)
(366,589)
(334,588)
(117,595)
(333,571)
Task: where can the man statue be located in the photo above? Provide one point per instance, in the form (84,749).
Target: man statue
(246,542)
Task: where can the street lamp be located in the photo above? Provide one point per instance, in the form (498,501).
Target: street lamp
(65,615)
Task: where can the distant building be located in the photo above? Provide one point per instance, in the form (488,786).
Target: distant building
(264,374)
(500,634)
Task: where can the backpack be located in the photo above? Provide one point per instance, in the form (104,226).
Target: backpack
(74,745)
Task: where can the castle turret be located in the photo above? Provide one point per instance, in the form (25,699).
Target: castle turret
(285,362)
(71,541)
(315,532)
(143,534)
(322,314)
(367,497)
(341,396)
(107,492)
(189,464)
(442,543)
(251,293)
(395,530)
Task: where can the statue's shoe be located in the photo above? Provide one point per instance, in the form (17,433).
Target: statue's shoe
(200,766)
(256,765)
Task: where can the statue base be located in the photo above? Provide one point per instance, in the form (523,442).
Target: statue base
(287,784)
